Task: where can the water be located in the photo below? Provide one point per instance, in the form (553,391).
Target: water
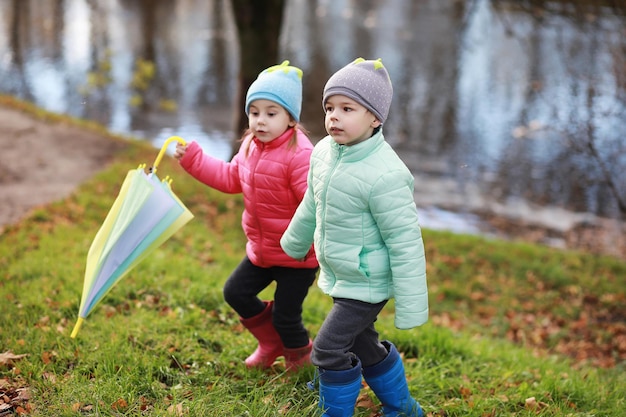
(497,109)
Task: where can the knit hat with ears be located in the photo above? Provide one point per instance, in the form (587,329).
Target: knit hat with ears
(366,82)
(281,84)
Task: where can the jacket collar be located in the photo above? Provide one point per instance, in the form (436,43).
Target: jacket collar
(276,143)
(360,150)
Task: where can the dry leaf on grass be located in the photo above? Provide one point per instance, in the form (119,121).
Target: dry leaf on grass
(8,358)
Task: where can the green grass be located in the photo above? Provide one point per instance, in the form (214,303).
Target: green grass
(509,322)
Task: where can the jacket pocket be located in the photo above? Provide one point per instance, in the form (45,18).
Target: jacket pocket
(374,264)
(364,267)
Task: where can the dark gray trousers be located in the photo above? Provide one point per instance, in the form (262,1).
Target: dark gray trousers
(348,330)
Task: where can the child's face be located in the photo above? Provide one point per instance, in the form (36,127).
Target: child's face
(347,121)
(268,120)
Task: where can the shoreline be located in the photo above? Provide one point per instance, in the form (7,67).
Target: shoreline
(46,158)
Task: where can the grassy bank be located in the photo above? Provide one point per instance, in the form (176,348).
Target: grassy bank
(516,329)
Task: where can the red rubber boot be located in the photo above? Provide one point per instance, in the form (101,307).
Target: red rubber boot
(270,346)
(298,358)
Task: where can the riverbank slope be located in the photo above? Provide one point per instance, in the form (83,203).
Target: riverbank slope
(46,156)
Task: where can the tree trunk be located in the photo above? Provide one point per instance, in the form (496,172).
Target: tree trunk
(258,27)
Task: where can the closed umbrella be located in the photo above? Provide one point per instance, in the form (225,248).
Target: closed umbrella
(144,215)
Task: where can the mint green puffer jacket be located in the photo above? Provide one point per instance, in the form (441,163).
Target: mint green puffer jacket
(360,212)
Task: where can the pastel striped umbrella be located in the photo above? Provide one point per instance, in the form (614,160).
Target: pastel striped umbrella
(144,215)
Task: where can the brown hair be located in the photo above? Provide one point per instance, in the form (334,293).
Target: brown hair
(247,134)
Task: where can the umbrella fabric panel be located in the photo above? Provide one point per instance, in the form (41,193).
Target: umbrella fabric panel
(133,201)
(99,243)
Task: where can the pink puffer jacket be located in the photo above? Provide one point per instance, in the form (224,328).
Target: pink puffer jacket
(272,178)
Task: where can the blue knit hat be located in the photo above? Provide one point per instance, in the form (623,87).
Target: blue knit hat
(281,84)
(366,82)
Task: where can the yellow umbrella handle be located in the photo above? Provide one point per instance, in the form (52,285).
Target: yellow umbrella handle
(169,140)
(77,327)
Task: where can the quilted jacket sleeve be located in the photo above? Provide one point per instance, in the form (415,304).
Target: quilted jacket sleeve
(393,207)
(299,169)
(218,174)
(298,238)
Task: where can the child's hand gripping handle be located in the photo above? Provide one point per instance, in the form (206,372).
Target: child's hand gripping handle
(169,140)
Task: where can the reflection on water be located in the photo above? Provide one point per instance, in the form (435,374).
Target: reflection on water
(494,106)
(85,58)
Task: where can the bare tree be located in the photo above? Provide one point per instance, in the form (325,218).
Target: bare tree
(258,27)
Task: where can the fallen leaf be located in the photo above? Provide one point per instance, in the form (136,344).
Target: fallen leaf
(7,358)
(120,404)
(364,401)
(531,403)
(46,357)
(177,409)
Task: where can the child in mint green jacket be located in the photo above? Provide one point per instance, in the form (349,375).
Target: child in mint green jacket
(360,212)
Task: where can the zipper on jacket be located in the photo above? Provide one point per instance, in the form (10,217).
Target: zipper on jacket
(325,195)
(261,148)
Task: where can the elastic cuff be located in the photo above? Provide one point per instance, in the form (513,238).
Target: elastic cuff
(385,365)
(340,377)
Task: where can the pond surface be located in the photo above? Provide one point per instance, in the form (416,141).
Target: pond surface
(498,108)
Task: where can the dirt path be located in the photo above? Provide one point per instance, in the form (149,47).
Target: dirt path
(44,161)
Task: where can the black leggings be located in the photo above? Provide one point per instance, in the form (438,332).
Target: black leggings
(292,286)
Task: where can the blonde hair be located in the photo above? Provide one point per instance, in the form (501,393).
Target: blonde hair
(246,138)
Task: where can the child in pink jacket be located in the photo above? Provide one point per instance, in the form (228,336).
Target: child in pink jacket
(270,169)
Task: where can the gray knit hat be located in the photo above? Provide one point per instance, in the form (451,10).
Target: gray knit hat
(366,82)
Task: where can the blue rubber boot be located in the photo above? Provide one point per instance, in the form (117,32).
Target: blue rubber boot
(388,381)
(339,391)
